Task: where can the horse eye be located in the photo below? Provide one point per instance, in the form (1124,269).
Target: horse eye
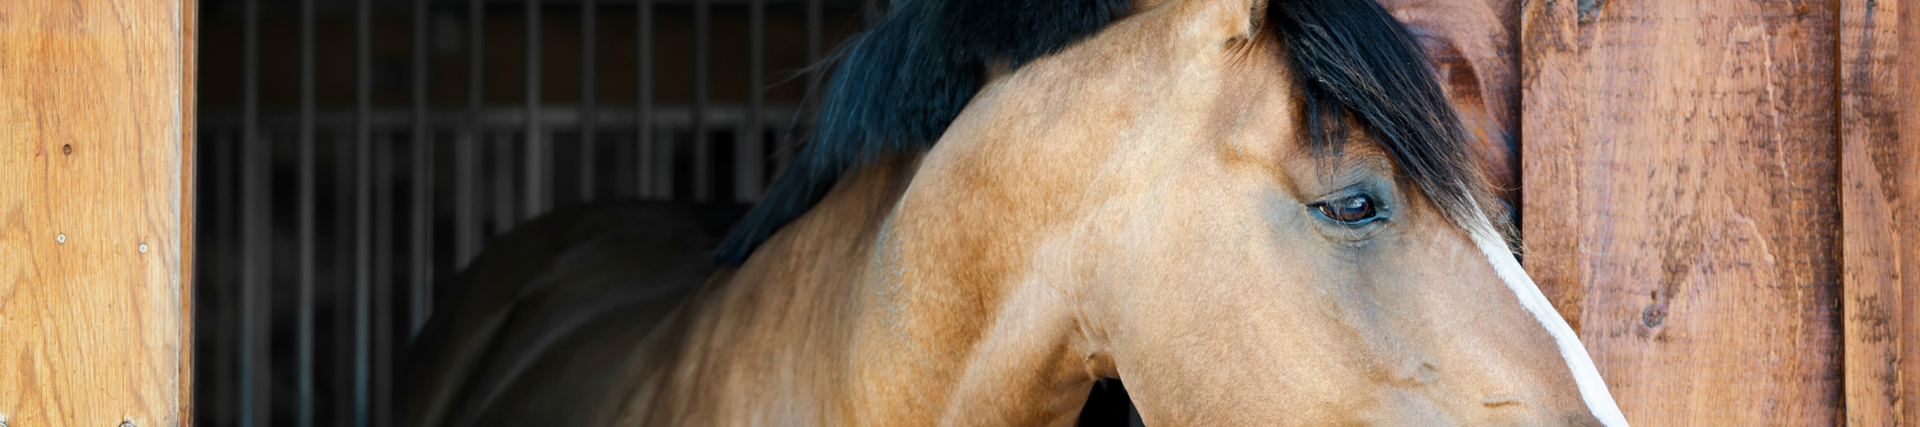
(1349,210)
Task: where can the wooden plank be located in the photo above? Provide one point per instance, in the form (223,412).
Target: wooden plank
(1680,170)
(1872,199)
(93,112)
(189,151)
(1907,210)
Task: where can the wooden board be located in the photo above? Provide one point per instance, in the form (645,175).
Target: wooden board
(1908,211)
(1682,201)
(1724,198)
(94,110)
(189,109)
(1877,171)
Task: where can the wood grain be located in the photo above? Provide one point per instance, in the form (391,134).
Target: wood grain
(1682,204)
(189,150)
(1875,169)
(1907,209)
(92,330)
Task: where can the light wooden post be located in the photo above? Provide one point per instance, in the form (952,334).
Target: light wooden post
(96,119)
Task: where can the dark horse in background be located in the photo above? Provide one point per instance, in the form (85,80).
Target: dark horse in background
(1253,212)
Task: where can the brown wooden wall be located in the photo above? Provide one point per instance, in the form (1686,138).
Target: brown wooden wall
(95,120)
(1721,195)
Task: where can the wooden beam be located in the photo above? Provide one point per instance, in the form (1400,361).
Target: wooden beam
(1680,180)
(189,152)
(95,116)
(1907,210)
(1875,169)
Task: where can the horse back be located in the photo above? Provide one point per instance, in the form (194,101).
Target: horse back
(540,328)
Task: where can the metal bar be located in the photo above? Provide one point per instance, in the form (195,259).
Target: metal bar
(535,144)
(750,166)
(784,154)
(663,166)
(304,388)
(260,212)
(666,2)
(342,268)
(226,328)
(502,183)
(466,162)
(256,267)
(813,32)
(702,56)
(643,116)
(362,259)
(622,152)
(422,181)
(504,118)
(382,283)
(589,87)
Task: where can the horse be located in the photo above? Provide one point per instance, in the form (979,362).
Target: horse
(1251,211)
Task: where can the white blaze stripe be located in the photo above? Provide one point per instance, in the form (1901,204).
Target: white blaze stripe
(1593,389)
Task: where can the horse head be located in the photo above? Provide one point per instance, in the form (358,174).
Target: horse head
(1252,212)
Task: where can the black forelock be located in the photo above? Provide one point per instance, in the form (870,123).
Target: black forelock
(1352,59)
(895,87)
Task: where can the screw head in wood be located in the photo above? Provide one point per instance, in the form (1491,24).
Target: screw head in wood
(143,248)
(62,238)
(127,424)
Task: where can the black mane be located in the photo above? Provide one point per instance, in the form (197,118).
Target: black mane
(1351,58)
(895,87)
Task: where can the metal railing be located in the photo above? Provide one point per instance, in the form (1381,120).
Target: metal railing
(323,230)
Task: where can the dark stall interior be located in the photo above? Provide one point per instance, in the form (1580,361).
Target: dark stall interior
(354,154)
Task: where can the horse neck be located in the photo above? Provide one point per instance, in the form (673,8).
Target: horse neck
(821,325)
